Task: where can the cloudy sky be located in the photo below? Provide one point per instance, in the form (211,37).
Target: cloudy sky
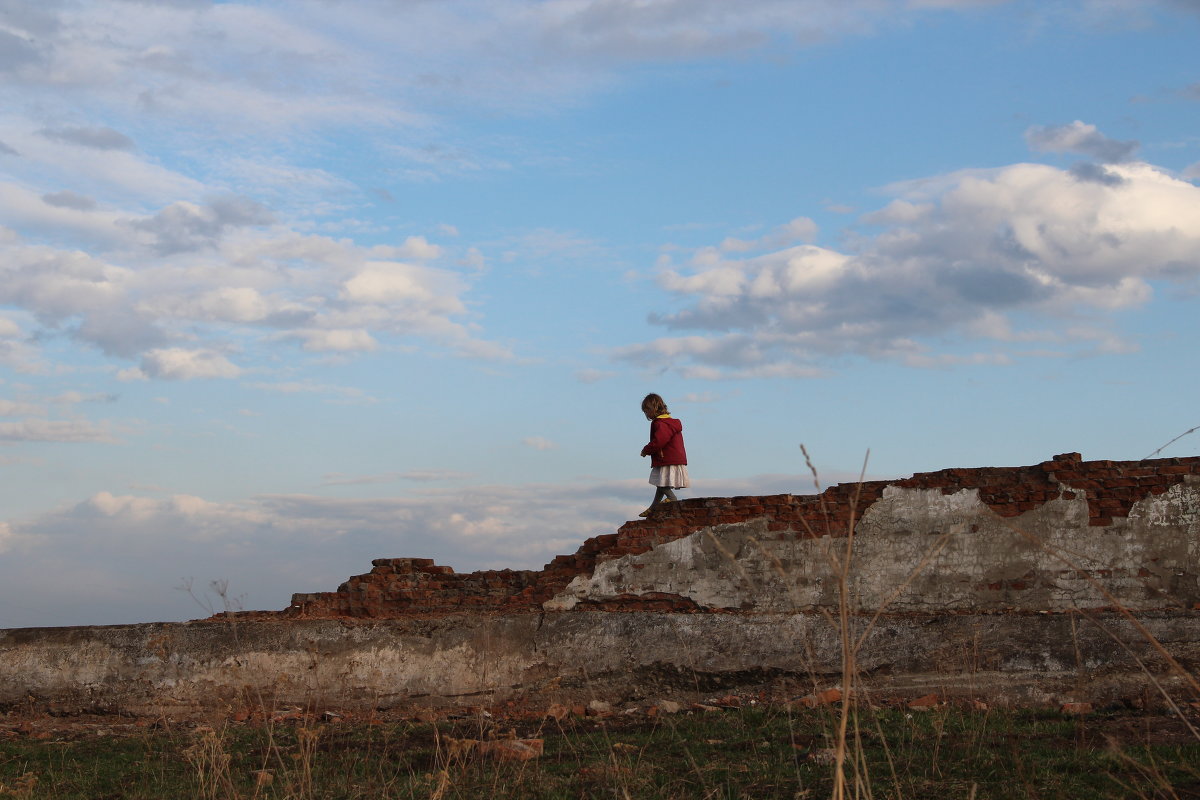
(288,286)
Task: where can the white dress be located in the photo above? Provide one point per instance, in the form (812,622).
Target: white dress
(675,476)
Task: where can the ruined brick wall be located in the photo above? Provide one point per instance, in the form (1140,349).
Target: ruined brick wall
(954,582)
(996,530)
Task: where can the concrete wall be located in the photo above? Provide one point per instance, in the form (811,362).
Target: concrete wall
(222,667)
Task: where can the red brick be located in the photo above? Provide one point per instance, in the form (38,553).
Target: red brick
(925,703)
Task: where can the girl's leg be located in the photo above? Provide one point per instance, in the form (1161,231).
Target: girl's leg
(669,493)
(659,493)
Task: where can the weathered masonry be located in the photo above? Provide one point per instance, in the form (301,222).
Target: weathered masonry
(1065,534)
(1036,583)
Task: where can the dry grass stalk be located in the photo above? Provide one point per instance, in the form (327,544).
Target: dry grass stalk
(841,569)
(210,760)
(306,746)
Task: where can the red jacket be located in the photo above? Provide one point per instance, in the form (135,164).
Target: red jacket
(666,442)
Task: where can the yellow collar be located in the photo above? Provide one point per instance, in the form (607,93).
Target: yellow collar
(663,416)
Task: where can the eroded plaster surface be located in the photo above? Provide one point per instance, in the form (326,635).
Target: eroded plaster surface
(921,550)
(215,667)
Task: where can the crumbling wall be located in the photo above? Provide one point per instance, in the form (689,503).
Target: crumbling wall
(1031,584)
(226,667)
(1058,535)
(919,550)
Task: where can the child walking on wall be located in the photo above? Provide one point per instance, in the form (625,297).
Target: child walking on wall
(668,459)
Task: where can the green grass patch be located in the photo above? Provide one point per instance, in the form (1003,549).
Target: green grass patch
(739,753)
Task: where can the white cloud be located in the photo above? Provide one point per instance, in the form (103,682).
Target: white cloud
(414,247)
(800,229)
(594,375)
(1079,137)
(10,408)
(270,176)
(97,138)
(392,283)
(953,3)
(60,213)
(338,341)
(74,398)
(68,199)
(245,67)
(481,351)
(120,176)
(416,476)
(953,252)
(184,226)
(539,443)
(47,430)
(344,394)
(177,363)
(440,160)
(199,236)
(202,273)
(132,374)
(109,505)
(338,479)
(432,475)
(227,303)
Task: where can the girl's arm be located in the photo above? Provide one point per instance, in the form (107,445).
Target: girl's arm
(660,434)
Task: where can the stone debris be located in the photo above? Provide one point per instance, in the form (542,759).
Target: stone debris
(599,708)
(558,712)
(926,703)
(827,697)
(289,714)
(668,707)
(498,749)
(511,749)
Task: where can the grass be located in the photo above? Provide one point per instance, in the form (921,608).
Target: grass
(748,752)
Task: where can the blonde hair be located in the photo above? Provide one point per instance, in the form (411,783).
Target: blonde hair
(653,405)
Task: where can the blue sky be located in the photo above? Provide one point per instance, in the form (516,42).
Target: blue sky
(285,287)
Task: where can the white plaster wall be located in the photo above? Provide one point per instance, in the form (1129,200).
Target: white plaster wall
(924,551)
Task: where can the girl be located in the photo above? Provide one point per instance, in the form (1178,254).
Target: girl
(668,459)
